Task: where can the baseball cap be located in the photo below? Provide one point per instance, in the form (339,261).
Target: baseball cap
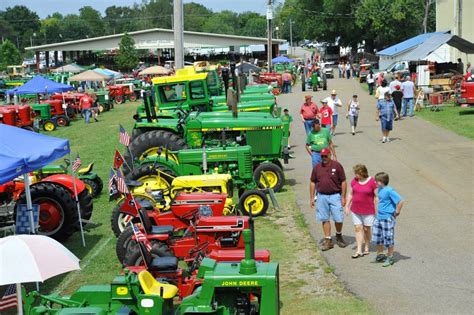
(316,121)
(333,92)
(308,97)
(397,87)
(324,100)
(325,151)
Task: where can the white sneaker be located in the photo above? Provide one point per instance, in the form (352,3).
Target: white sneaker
(387,139)
(384,140)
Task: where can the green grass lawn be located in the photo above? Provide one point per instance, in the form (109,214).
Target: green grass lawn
(307,284)
(454,118)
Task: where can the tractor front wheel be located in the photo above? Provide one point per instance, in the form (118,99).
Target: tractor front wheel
(48,125)
(259,202)
(86,203)
(119,99)
(132,97)
(120,220)
(273,173)
(62,120)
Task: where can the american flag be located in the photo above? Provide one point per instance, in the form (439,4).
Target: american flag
(77,163)
(124,137)
(9,298)
(141,237)
(121,186)
(112,181)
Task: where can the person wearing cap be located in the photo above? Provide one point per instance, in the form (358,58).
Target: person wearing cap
(317,140)
(397,97)
(308,112)
(329,180)
(334,102)
(325,114)
(386,113)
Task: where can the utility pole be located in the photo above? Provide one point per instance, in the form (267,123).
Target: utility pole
(291,36)
(178,34)
(270,33)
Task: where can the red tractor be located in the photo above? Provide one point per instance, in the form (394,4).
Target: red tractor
(17,115)
(63,116)
(120,93)
(72,101)
(55,197)
(203,226)
(269,78)
(465,93)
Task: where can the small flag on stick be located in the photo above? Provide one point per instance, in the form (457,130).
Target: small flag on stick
(141,237)
(77,163)
(118,160)
(124,138)
(9,299)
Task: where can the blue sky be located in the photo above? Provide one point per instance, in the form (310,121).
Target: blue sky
(45,7)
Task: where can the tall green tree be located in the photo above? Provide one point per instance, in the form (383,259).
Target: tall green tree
(9,55)
(195,16)
(224,22)
(120,19)
(127,55)
(94,19)
(72,27)
(26,24)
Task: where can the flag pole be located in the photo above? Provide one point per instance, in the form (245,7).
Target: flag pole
(78,206)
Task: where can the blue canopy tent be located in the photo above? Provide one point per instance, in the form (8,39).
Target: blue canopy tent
(108,72)
(23,151)
(40,85)
(281,59)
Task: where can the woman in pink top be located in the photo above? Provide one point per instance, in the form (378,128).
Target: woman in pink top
(361,203)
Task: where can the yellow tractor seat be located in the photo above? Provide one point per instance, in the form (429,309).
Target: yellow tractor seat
(86,169)
(153,287)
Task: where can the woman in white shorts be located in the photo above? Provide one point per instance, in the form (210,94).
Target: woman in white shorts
(361,204)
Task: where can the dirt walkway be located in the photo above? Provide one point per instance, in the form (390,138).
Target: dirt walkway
(433,170)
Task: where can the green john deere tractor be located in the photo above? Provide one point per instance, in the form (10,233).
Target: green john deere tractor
(222,288)
(266,134)
(233,160)
(43,117)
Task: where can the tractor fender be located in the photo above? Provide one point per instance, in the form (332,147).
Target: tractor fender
(65,180)
(161,160)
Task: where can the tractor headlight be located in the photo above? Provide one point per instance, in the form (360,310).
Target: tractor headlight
(147,303)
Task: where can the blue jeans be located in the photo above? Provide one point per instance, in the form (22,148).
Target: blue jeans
(329,206)
(87,115)
(315,158)
(406,101)
(308,125)
(348,74)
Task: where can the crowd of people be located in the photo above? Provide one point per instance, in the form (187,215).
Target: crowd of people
(372,204)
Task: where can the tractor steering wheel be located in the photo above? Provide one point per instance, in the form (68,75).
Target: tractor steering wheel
(198,258)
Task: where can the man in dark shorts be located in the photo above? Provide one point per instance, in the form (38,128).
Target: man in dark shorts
(397,96)
(386,113)
(329,180)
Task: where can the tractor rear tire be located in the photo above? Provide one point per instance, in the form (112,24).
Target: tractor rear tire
(116,220)
(134,256)
(261,202)
(62,121)
(137,132)
(54,198)
(151,170)
(86,203)
(153,139)
(274,174)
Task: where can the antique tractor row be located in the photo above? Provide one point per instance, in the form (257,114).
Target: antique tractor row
(17,115)
(57,206)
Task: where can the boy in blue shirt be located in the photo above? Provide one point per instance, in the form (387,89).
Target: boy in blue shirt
(383,230)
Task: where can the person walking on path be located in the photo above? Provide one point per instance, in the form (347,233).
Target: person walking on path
(408,89)
(308,112)
(340,67)
(361,204)
(325,113)
(386,113)
(381,90)
(397,97)
(286,117)
(317,140)
(353,113)
(388,209)
(394,83)
(371,82)
(286,76)
(334,102)
(85,103)
(329,180)
(348,70)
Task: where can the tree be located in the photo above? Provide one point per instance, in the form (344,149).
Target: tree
(121,19)
(24,21)
(127,56)
(50,30)
(9,55)
(224,22)
(195,16)
(93,18)
(72,27)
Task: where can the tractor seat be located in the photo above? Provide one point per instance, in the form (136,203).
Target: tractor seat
(86,169)
(162,229)
(133,183)
(164,264)
(152,287)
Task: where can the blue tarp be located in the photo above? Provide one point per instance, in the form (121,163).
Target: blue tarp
(40,85)
(23,151)
(110,73)
(281,59)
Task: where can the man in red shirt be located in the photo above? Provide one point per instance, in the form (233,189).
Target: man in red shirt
(326,114)
(85,104)
(308,112)
(329,180)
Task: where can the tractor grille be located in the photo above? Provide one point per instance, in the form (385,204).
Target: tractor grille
(245,164)
(260,141)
